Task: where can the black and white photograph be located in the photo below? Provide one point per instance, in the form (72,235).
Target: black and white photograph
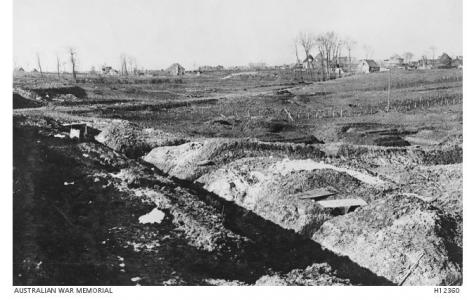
(235,143)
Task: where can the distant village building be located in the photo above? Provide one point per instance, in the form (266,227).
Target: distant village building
(457,62)
(175,70)
(210,68)
(308,61)
(108,70)
(443,62)
(367,66)
(394,61)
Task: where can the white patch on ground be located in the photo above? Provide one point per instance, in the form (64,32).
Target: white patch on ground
(286,166)
(60,136)
(155,216)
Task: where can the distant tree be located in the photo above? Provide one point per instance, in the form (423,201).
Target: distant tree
(58,67)
(407,56)
(349,44)
(72,53)
(307,41)
(38,59)
(329,46)
(124,65)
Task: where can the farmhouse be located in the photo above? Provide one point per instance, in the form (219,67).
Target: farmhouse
(108,70)
(175,69)
(457,62)
(367,66)
(444,61)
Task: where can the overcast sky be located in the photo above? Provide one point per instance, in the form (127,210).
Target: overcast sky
(230,32)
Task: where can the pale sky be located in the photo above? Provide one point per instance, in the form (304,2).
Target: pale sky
(226,32)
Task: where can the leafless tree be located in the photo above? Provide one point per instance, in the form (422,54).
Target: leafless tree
(328,46)
(72,53)
(307,41)
(38,59)
(123,64)
(349,44)
(407,56)
(132,65)
(58,67)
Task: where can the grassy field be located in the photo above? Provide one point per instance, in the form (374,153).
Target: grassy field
(267,105)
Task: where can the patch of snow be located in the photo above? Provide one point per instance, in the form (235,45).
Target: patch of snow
(58,135)
(155,216)
(135,279)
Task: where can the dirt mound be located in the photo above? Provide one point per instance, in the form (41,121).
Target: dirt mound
(398,156)
(191,160)
(53,92)
(133,141)
(391,236)
(272,187)
(22,102)
(391,141)
(316,274)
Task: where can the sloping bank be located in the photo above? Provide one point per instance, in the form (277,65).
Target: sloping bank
(267,178)
(269,185)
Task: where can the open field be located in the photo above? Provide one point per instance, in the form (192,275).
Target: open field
(230,163)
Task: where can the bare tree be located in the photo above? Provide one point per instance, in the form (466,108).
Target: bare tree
(328,45)
(407,56)
(349,44)
(38,59)
(123,64)
(132,65)
(72,53)
(58,67)
(306,40)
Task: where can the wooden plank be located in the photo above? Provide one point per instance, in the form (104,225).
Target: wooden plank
(317,193)
(342,203)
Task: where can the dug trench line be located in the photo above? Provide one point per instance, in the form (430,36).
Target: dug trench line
(282,249)
(272,247)
(247,245)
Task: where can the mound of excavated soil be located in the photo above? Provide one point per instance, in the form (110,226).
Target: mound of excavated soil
(390,235)
(133,141)
(191,160)
(272,187)
(22,102)
(397,156)
(52,92)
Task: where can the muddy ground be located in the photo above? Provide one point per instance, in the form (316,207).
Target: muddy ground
(228,182)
